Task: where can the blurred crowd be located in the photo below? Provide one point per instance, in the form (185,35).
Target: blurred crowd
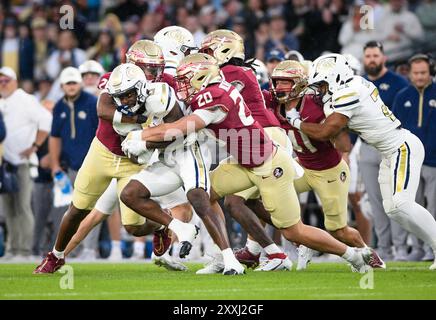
(34,46)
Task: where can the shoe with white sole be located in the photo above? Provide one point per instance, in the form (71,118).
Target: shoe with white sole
(212,267)
(234,269)
(168,263)
(305,255)
(275,262)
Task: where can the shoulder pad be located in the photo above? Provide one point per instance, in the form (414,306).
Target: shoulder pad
(160,100)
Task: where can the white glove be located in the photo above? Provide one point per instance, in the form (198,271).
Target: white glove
(293,117)
(133,145)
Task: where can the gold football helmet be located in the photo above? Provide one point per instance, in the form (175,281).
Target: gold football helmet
(194,73)
(293,72)
(223,45)
(149,57)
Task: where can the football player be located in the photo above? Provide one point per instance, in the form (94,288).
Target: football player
(355,103)
(105,160)
(325,172)
(254,160)
(227,47)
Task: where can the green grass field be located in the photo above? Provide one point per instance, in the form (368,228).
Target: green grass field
(147,281)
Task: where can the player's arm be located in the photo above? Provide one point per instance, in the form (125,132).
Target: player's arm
(91,220)
(174,130)
(327,130)
(107,110)
(196,121)
(342,142)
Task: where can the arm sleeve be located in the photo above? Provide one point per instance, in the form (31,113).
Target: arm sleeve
(211,115)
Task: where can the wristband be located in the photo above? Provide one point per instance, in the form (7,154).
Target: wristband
(297,123)
(117,117)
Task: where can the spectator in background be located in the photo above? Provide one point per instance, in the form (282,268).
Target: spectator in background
(403,69)
(400,30)
(232,10)
(10,45)
(414,107)
(208,20)
(66,55)
(388,83)
(74,125)
(272,58)
(426,13)
(27,125)
(261,36)
(249,41)
(104,51)
(26,57)
(193,25)
(91,71)
(253,14)
(352,37)
(42,47)
(278,36)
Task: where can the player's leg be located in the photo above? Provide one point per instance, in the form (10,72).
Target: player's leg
(257,238)
(399,186)
(179,208)
(156,181)
(92,180)
(282,202)
(194,172)
(332,187)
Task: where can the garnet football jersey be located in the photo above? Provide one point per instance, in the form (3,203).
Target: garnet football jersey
(245,81)
(312,154)
(245,138)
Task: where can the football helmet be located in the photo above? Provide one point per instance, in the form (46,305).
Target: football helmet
(91,66)
(194,73)
(176,43)
(332,69)
(149,57)
(127,79)
(293,71)
(223,45)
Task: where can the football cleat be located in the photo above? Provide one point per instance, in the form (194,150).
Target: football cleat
(234,269)
(360,263)
(244,256)
(161,241)
(168,263)
(50,264)
(275,262)
(214,266)
(372,259)
(305,255)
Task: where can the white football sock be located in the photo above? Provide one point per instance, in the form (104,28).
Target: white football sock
(272,248)
(58,254)
(228,257)
(253,246)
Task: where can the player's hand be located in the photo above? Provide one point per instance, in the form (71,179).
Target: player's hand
(133,145)
(293,117)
